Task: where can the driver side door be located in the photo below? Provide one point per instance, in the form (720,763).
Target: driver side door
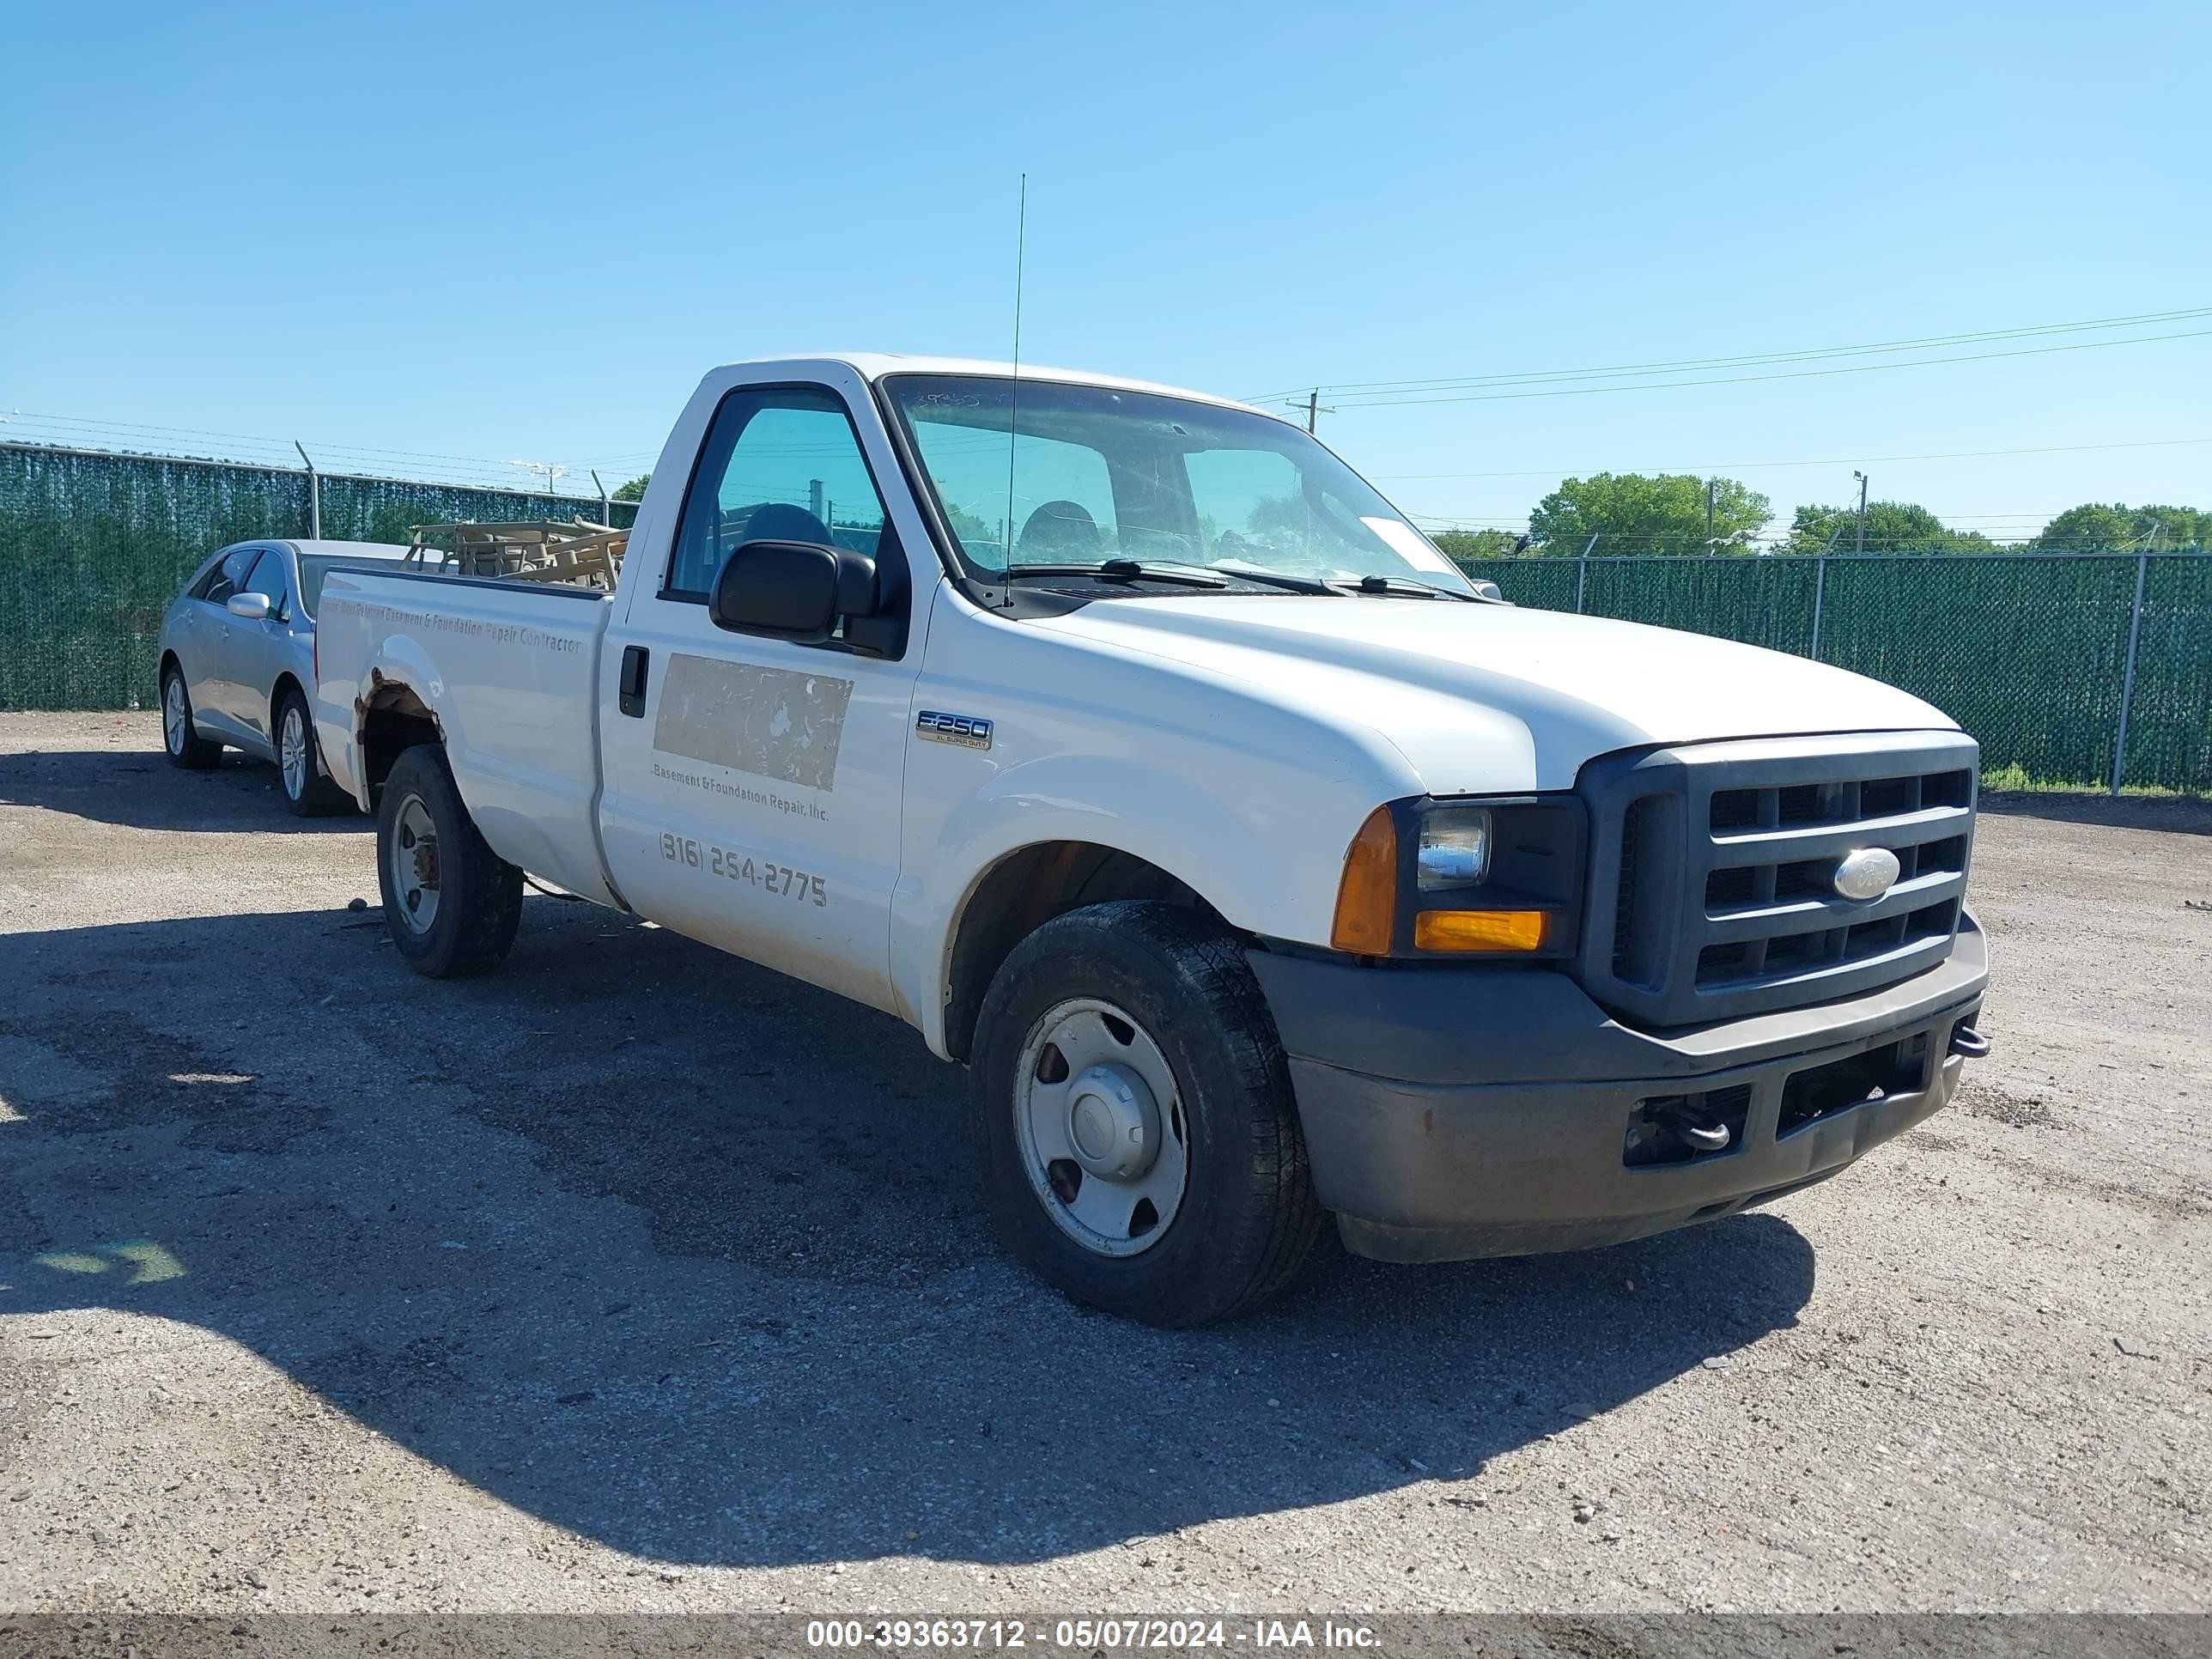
(206,658)
(753,784)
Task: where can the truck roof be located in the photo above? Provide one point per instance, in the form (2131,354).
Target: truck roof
(875,365)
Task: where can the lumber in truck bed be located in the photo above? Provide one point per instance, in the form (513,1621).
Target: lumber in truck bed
(579,553)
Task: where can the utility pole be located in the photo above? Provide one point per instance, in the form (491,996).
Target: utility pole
(1862,477)
(1312,407)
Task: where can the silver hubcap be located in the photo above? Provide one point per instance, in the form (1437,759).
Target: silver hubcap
(413,858)
(1102,1129)
(172,715)
(292,752)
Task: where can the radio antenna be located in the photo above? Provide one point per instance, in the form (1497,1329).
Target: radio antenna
(1014,399)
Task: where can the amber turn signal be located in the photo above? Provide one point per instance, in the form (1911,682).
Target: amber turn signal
(1367,897)
(1477,930)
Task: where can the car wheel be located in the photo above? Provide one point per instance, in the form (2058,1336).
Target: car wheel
(1139,1143)
(306,791)
(451,903)
(186,748)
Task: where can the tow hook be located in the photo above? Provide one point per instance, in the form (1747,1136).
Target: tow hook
(1693,1131)
(1968,1043)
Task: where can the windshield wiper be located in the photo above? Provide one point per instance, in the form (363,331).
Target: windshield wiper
(1122,570)
(1405,584)
(1277,579)
(1177,573)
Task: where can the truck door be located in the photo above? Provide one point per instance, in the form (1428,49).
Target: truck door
(752,791)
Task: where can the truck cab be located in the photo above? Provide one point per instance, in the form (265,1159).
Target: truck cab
(1140,755)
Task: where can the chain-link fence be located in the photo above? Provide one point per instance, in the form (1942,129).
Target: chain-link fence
(2054,661)
(2045,658)
(93,546)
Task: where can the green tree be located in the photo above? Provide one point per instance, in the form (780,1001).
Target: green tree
(633,490)
(1638,513)
(2094,525)
(1891,527)
(1472,546)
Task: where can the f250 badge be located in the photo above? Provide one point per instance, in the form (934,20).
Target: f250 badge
(967,730)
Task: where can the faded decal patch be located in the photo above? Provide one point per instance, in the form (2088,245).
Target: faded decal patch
(768,721)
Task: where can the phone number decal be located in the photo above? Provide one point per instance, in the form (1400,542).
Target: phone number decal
(780,880)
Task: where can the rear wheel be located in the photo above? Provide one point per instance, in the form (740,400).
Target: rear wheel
(185,747)
(1134,1116)
(451,903)
(307,792)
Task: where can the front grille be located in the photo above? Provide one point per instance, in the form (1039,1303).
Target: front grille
(1713,868)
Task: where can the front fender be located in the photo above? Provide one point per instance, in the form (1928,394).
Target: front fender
(1242,853)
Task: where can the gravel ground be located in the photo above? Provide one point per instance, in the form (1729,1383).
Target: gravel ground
(634,1278)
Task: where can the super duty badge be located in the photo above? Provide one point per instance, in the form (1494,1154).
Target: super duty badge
(969,731)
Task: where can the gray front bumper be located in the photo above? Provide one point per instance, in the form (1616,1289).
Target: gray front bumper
(1451,1113)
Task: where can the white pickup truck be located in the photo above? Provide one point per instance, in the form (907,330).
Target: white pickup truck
(1130,747)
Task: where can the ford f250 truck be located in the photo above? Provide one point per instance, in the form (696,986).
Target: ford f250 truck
(1259,866)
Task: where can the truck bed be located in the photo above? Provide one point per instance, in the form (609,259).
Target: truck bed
(508,670)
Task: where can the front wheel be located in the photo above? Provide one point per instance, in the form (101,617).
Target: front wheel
(307,792)
(1139,1144)
(185,747)
(451,903)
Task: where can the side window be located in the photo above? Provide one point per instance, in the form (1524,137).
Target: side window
(268,577)
(224,581)
(781,463)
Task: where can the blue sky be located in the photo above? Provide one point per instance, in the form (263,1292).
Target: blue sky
(488,232)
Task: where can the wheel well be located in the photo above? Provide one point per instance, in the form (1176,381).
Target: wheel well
(285,681)
(1021,893)
(168,661)
(394,722)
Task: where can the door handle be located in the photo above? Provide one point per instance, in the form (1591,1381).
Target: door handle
(629,688)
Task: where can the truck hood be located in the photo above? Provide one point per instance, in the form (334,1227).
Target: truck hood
(1490,698)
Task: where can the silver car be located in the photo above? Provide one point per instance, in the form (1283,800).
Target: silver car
(237,659)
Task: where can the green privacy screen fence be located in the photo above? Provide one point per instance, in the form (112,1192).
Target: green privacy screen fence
(93,546)
(2030,652)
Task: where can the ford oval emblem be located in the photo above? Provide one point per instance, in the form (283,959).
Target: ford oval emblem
(1866,872)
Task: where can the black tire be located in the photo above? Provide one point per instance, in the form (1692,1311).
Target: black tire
(1247,1217)
(479,893)
(184,747)
(320,797)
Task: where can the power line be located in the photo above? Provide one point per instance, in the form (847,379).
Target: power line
(1794,374)
(1704,467)
(1744,360)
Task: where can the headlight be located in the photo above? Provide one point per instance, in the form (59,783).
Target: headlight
(1427,878)
(1454,850)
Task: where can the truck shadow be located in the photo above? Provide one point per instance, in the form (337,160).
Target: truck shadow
(142,791)
(688,1259)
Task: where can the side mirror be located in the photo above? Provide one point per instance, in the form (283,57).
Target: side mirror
(795,591)
(249,607)
(1489,590)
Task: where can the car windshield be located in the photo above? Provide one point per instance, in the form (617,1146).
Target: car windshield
(1076,475)
(314,567)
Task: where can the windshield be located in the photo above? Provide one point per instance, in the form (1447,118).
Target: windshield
(1100,473)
